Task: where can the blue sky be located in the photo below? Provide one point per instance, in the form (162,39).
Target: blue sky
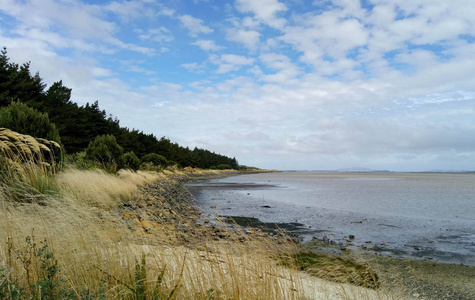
(279,84)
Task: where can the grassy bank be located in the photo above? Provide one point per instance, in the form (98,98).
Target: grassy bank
(136,235)
(99,235)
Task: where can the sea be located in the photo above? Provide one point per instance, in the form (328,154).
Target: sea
(418,215)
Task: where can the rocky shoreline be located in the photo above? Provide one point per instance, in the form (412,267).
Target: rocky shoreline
(420,279)
(168,204)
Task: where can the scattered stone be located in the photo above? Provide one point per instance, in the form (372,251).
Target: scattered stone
(351,237)
(141,203)
(265,206)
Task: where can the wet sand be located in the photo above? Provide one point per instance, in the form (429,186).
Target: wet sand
(420,272)
(387,235)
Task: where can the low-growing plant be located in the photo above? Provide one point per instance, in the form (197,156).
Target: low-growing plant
(335,268)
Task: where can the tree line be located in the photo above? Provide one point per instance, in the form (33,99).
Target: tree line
(77,127)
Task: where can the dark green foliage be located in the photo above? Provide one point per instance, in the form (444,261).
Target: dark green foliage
(223,167)
(79,125)
(23,119)
(130,160)
(155,159)
(105,150)
(16,82)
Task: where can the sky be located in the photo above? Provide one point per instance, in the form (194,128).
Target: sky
(295,84)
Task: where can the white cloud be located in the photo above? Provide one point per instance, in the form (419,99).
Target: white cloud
(229,62)
(390,87)
(207,45)
(236,59)
(133,66)
(159,34)
(287,71)
(249,38)
(194,25)
(194,67)
(264,10)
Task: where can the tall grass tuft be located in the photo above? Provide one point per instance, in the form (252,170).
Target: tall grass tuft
(27,166)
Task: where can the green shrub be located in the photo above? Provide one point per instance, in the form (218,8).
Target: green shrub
(223,167)
(105,150)
(23,119)
(155,159)
(130,160)
(80,161)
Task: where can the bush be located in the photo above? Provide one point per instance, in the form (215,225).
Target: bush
(155,159)
(223,167)
(21,118)
(105,150)
(130,160)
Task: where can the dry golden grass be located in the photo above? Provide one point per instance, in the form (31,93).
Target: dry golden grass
(95,251)
(96,188)
(99,254)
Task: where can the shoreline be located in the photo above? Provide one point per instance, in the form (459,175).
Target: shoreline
(422,278)
(403,236)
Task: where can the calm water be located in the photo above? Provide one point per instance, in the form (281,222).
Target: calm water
(428,216)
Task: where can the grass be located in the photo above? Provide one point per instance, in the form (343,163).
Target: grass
(133,235)
(336,269)
(93,251)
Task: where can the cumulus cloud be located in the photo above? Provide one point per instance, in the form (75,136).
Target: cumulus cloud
(265,11)
(384,86)
(194,25)
(159,34)
(248,38)
(207,45)
(230,62)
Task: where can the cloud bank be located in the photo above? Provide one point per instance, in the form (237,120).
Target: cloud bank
(289,85)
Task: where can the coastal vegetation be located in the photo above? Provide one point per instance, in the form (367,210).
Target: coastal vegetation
(28,107)
(92,210)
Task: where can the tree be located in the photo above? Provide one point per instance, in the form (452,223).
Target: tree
(17,83)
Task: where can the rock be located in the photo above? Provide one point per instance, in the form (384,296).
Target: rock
(265,206)
(351,237)
(326,240)
(141,203)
